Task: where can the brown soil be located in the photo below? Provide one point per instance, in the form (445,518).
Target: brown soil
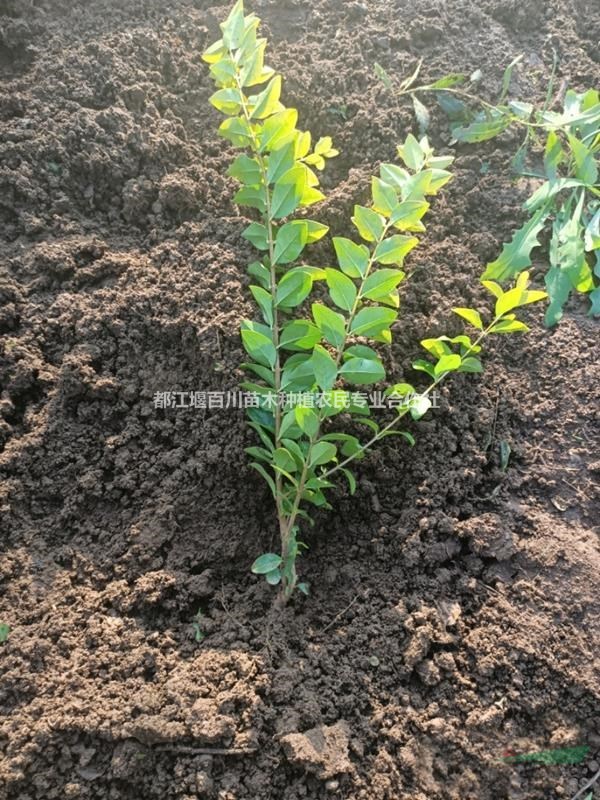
(454,606)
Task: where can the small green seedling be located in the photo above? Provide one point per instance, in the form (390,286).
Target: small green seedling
(564,755)
(505,451)
(4,632)
(565,148)
(305,358)
(199,634)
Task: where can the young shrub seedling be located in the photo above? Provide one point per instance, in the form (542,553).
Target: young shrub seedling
(304,358)
(565,147)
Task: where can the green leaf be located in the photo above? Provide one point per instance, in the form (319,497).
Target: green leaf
(296,451)
(394,176)
(263,422)
(506,78)
(372,321)
(515,255)
(362,370)
(259,452)
(553,155)
(352,258)
(288,192)
(399,390)
(307,420)
(261,273)
(520,109)
(383,76)
(393,249)
(450,80)
(4,632)
(237,131)
(406,435)
(331,323)
(548,190)
(280,161)
(290,241)
(233,27)
(424,366)
(411,153)
(341,289)
(350,478)
(214,53)
(447,363)
(592,233)
(360,351)
(455,109)
(417,186)
(259,346)
(494,288)
(384,197)
(483,128)
(514,298)
(246,170)
(471,364)
(422,114)
(265,303)
(586,168)
(259,468)
(278,130)
(368,223)
(324,367)
(408,82)
(250,196)
(297,373)
(322,453)
(315,230)
(407,215)
(256,234)
(559,286)
(293,288)
(288,427)
(284,459)
(267,102)
(274,577)
(419,406)
(471,315)
(266,563)
(437,347)
(324,146)
(379,284)
(509,326)
(437,179)
(228,101)
(254,71)
(299,335)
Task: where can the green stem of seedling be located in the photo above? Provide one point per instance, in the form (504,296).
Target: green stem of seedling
(285,527)
(474,99)
(288,589)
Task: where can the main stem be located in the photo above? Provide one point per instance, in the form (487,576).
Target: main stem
(284,528)
(288,588)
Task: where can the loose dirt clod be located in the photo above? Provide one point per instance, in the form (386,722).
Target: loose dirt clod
(322,751)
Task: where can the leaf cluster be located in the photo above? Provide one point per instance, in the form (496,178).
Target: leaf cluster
(564,146)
